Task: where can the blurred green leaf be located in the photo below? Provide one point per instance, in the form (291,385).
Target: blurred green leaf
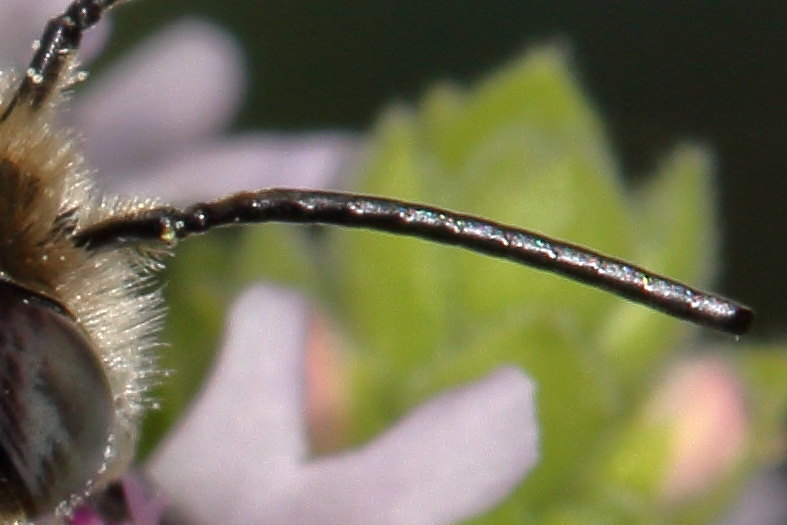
(523,147)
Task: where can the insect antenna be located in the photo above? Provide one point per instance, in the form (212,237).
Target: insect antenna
(427,222)
(54,51)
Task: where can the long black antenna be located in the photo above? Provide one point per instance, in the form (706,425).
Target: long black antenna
(467,231)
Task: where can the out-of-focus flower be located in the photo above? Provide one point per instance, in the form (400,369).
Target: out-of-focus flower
(153,122)
(702,404)
(690,437)
(241,455)
(152,126)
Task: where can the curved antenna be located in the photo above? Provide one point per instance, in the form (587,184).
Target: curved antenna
(435,224)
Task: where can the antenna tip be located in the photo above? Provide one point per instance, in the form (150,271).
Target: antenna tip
(739,321)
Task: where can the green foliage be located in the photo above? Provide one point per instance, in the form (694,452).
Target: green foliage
(524,147)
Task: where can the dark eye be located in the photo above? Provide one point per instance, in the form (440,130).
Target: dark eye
(55,405)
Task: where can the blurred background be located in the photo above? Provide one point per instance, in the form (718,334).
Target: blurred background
(659,72)
(658,75)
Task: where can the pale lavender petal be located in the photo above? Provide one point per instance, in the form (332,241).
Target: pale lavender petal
(23,21)
(144,508)
(181,86)
(95,40)
(246,430)
(452,458)
(249,162)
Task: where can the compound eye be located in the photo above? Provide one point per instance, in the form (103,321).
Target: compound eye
(55,406)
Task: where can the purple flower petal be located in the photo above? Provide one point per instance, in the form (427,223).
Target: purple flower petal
(145,509)
(248,162)
(240,455)
(176,89)
(247,424)
(450,459)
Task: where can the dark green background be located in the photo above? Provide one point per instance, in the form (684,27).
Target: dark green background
(660,71)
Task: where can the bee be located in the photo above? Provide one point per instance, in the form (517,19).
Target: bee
(80,310)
